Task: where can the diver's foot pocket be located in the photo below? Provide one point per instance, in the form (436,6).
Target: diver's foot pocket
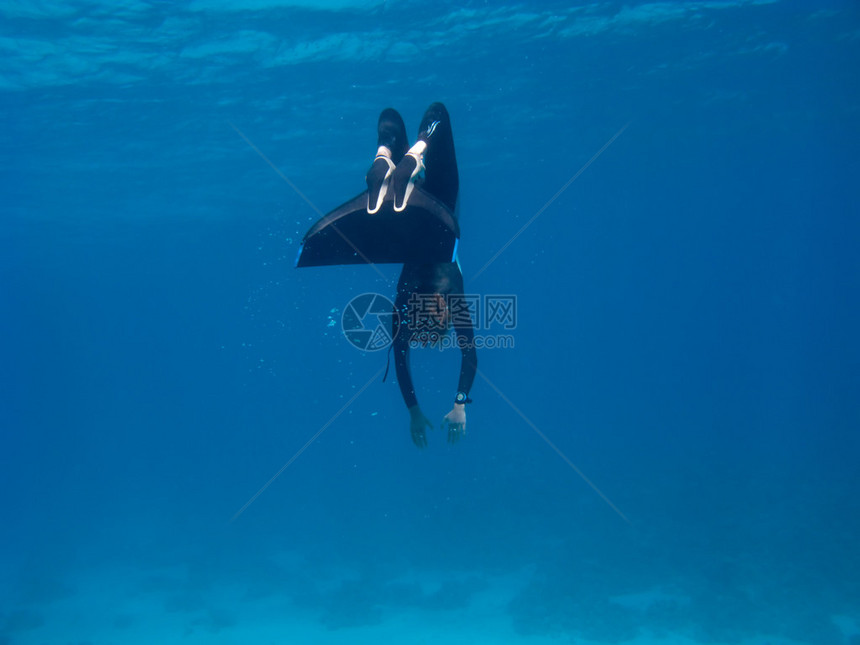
(405,175)
(378,179)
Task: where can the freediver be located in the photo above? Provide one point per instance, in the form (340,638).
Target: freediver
(409,215)
(430,299)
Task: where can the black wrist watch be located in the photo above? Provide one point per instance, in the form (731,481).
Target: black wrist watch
(462,398)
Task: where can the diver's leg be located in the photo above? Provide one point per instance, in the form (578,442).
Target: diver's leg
(441,178)
(433,153)
(392,144)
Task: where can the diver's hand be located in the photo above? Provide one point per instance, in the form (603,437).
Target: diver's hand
(417,426)
(455,423)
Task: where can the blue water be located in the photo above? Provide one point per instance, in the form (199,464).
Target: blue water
(686,341)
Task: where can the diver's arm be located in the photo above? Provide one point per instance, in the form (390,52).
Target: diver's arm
(468,366)
(404,375)
(469,358)
(418,423)
(455,420)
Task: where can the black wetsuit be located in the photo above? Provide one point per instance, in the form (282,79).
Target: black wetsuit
(422,280)
(441,179)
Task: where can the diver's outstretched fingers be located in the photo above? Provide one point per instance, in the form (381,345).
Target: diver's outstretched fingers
(455,431)
(420,441)
(419,438)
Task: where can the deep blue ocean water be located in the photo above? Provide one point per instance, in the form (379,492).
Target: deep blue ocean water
(686,338)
